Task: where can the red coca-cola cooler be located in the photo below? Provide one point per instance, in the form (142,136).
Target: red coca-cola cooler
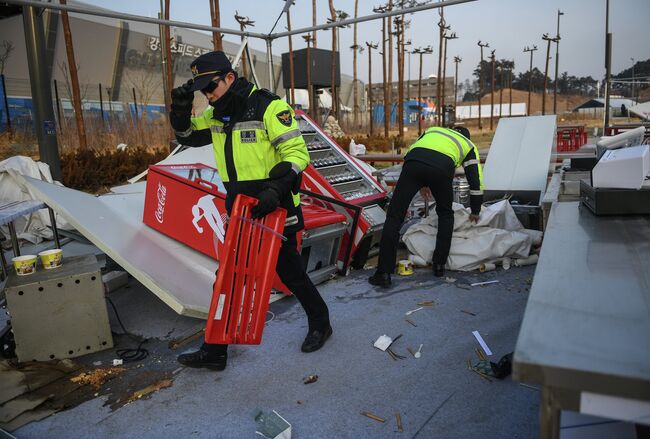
(187,203)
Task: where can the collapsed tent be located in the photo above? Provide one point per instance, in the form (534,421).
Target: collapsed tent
(497,235)
(33,227)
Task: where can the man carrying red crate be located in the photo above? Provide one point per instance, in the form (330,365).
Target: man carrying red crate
(259,152)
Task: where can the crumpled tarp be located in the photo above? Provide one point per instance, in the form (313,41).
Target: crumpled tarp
(34,227)
(497,235)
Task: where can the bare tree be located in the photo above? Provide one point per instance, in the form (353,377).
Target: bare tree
(83,88)
(5,52)
(145,82)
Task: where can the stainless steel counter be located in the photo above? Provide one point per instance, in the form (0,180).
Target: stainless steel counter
(587,322)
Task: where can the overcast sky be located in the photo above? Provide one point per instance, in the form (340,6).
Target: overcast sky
(507,25)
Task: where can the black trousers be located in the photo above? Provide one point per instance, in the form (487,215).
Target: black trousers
(292,273)
(438,176)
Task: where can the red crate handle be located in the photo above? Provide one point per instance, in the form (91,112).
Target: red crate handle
(245,276)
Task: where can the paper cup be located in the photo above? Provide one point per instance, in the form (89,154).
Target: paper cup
(51,258)
(24,265)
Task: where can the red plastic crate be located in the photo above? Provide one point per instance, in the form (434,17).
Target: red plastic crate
(246,271)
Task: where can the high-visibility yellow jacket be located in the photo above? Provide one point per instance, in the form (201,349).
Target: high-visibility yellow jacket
(457,147)
(251,143)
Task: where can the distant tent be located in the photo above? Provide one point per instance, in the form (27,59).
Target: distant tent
(596,106)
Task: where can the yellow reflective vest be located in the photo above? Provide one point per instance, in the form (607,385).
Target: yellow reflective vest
(452,144)
(257,144)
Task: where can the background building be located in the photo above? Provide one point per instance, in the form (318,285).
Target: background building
(120,59)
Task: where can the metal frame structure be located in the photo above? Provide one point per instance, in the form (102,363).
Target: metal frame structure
(267,37)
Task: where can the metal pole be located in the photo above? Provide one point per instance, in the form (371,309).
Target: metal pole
(492,92)
(41,91)
(138,18)
(548,54)
(457,59)
(386,114)
(58,106)
(480,84)
(388,13)
(608,66)
(135,104)
(512,66)
(557,60)
(4,94)
(101,103)
(420,96)
(370,47)
(269,65)
(530,75)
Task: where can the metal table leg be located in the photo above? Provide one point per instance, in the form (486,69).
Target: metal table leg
(54,229)
(14,238)
(549,416)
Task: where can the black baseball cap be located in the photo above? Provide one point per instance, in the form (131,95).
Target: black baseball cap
(206,67)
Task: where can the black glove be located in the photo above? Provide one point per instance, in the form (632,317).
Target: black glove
(269,200)
(182,98)
(283,179)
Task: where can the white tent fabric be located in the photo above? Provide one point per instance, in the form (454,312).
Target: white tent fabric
(33,227)
(497,235)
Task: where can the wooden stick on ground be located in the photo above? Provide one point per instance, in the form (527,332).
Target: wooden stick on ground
(371,416)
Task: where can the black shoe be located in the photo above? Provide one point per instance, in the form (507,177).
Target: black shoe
(316,339)
(438,270)
(203,358)
(380,279)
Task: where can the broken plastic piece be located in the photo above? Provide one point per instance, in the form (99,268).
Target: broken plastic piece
(310,379)
(408,313)
(383,342)
(272,426)
(484,345)
(478,284)
(418,354)
(118,362)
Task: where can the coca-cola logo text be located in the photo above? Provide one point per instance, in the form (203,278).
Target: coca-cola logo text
(161,194)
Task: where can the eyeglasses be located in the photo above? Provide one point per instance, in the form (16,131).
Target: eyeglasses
(212,85)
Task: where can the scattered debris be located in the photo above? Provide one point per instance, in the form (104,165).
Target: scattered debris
(478,284)
(532,259)
(482,343)
(468,312)
(371,416)
(118,362)
(411,322)
(470,367)
(178,343)
(408,313)
(486,267)
(310,379)
(398,419)
(427,303)
(97,363)
(383,342)
(410,351)
(163,384)
(418,354)
(272,426)
(450,280)
(97,377)
(299,402)
(464,286)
